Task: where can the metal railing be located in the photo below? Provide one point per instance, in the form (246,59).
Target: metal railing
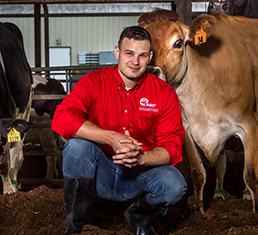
(68,72)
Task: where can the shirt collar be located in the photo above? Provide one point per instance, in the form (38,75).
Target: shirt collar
(119,80)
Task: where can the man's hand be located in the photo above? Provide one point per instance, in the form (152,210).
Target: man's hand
(127,151)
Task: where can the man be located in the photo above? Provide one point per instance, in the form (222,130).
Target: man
(124,134)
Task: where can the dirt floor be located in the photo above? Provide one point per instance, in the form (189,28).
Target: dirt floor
(38,210)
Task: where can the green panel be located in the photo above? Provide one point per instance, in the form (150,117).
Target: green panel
(77,74)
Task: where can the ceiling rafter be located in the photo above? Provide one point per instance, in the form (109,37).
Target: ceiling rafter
(83,1)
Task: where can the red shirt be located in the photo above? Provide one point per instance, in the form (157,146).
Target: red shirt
(150,110)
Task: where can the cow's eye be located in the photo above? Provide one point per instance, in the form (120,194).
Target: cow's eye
(212,5)
(178,44)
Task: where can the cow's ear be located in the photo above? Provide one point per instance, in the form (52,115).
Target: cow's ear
(21,125)
(7,124)
(207,22)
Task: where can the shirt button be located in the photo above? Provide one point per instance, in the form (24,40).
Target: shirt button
(124,128)
(125,111)
(127,93)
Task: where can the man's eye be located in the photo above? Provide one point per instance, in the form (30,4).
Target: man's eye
(129,53)
(144,56)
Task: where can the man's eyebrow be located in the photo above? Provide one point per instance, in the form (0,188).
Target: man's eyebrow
(131,51)
(145,53)
(128,50)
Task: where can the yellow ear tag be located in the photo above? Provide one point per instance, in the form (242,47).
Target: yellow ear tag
(200,37)
(13,135)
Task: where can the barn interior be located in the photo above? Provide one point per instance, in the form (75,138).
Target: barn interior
(64,39)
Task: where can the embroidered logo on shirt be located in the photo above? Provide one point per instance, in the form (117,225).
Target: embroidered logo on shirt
(146,106)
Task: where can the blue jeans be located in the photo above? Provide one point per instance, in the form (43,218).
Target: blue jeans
(162,185)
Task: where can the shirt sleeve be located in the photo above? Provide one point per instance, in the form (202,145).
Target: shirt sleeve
(170,133)
(73,111)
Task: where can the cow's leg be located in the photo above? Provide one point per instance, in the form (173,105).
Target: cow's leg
(49,145)
(8,187)
(16,160)
(251,161)
(247,194)
(220,167)
(198,173)
(51,167)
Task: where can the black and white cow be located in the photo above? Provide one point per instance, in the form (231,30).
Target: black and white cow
(15,103)
(48,93)
(248,8)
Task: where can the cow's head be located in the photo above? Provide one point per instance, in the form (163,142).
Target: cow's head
(6,124)
(169,40)
(224,6)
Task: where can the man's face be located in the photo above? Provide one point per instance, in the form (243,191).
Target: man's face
(133,58)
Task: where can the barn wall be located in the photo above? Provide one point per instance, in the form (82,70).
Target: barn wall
(82,34)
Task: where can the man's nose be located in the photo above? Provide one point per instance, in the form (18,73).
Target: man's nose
(135,60)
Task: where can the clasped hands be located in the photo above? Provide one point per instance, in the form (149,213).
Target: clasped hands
(127,150)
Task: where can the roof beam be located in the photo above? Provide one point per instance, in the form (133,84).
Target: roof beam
(83,1)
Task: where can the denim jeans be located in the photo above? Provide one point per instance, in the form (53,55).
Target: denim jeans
(162,185)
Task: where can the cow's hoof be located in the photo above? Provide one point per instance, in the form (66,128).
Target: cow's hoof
(16,185)
(220,193)
(194,203)
(247,195)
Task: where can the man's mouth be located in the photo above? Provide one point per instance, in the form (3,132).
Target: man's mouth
(135,69)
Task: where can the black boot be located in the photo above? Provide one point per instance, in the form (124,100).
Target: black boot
(140,215)
(78,197)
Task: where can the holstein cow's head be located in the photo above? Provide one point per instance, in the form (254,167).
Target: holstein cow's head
(225,6)
(6,124)
(7,109)
(169,41)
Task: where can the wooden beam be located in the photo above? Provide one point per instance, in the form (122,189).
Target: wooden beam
(84,1)
(37,33)
(104,1)
(184,9)
(20,1)
(46,28)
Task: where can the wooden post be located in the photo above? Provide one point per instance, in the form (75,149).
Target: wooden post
(37,32)
(46,25)
(184,9)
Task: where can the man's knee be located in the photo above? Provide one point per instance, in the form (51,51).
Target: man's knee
(77,147)
(79,158)
(176,186)
(170,187)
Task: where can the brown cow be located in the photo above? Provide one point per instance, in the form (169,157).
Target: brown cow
(216,83)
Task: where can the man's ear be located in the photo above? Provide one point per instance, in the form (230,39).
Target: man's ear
(117,52)
(151,54)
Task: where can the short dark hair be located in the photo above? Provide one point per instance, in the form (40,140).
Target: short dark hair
(135,32)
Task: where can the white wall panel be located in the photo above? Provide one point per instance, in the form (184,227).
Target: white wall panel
(82,34)
(88,34)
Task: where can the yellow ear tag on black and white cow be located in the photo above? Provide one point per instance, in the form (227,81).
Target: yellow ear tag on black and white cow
(200,37)
(13,135)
